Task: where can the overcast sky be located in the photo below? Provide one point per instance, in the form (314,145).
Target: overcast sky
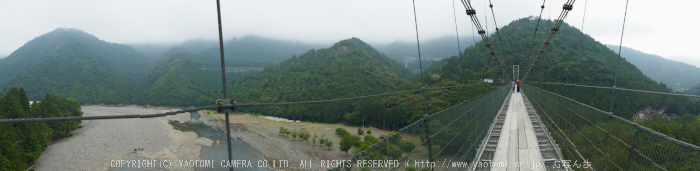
(664,28)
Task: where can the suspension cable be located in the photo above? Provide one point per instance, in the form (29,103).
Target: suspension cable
(580,43)
(454,13)
(420,61)
(472,14)
(420,64)
(619,52)
(566,8)
(23,120)
(459,48)
(500,42)
(618,88)
(532,44)
(223,80)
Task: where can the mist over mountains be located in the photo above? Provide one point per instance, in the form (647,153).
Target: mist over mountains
(431,50)
(73,63)
(677,75)
(274,51)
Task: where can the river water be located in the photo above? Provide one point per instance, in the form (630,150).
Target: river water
(218,151)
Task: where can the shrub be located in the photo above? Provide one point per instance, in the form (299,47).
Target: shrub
(406,145)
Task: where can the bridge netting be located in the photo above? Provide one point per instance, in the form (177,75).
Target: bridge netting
(449,136)
(607,141)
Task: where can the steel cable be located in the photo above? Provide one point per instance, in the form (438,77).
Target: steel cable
(472,14)
(24,120)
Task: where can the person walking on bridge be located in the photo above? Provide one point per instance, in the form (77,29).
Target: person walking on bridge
(518,84)
(513,86)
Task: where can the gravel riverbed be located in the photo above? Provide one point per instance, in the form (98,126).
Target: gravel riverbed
(99,143)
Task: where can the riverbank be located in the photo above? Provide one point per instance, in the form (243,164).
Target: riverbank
(263,136)
(99,142)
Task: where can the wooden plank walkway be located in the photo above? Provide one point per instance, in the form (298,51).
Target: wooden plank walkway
(517,146)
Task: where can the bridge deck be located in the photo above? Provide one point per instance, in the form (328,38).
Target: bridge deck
(518,146)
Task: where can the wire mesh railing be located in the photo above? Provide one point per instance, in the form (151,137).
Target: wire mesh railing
(608,142)
(435,141)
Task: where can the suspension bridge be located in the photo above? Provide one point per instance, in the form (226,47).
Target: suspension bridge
(532,129)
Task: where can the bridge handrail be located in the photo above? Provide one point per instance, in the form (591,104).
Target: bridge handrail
(417,134)
(627,121)
(617,88)
(631,143)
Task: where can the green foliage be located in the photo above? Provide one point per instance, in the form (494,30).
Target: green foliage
(392,151)
(685,128)
(369,131)
(182,81)
(22,143)
(371,139)
(346,143)
(282,130)
(322,141)
(341,132)
(348,68)
(570,59)
(356,140)
(72,63)
(695,90)
(360,131)
(329,144)
(294,134)
(406,145)
(304,135)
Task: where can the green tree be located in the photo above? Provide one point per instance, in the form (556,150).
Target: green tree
(329,144)
(345,144)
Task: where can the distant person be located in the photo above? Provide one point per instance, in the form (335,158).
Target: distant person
(518,84)
(513,86)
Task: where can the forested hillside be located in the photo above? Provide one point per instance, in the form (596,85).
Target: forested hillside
(22,143)
(253,51)
(431,49)
(695,90)
(677,75)
(72,63)
(182,81)
(347,69)
(564,61)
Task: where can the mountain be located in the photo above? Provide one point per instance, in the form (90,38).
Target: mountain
(677,75)
(180,80)
(253,51)
(563,61)
(153,51)
(197,45)
(695,90)
(431,49)
(348,68)
(73,63)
